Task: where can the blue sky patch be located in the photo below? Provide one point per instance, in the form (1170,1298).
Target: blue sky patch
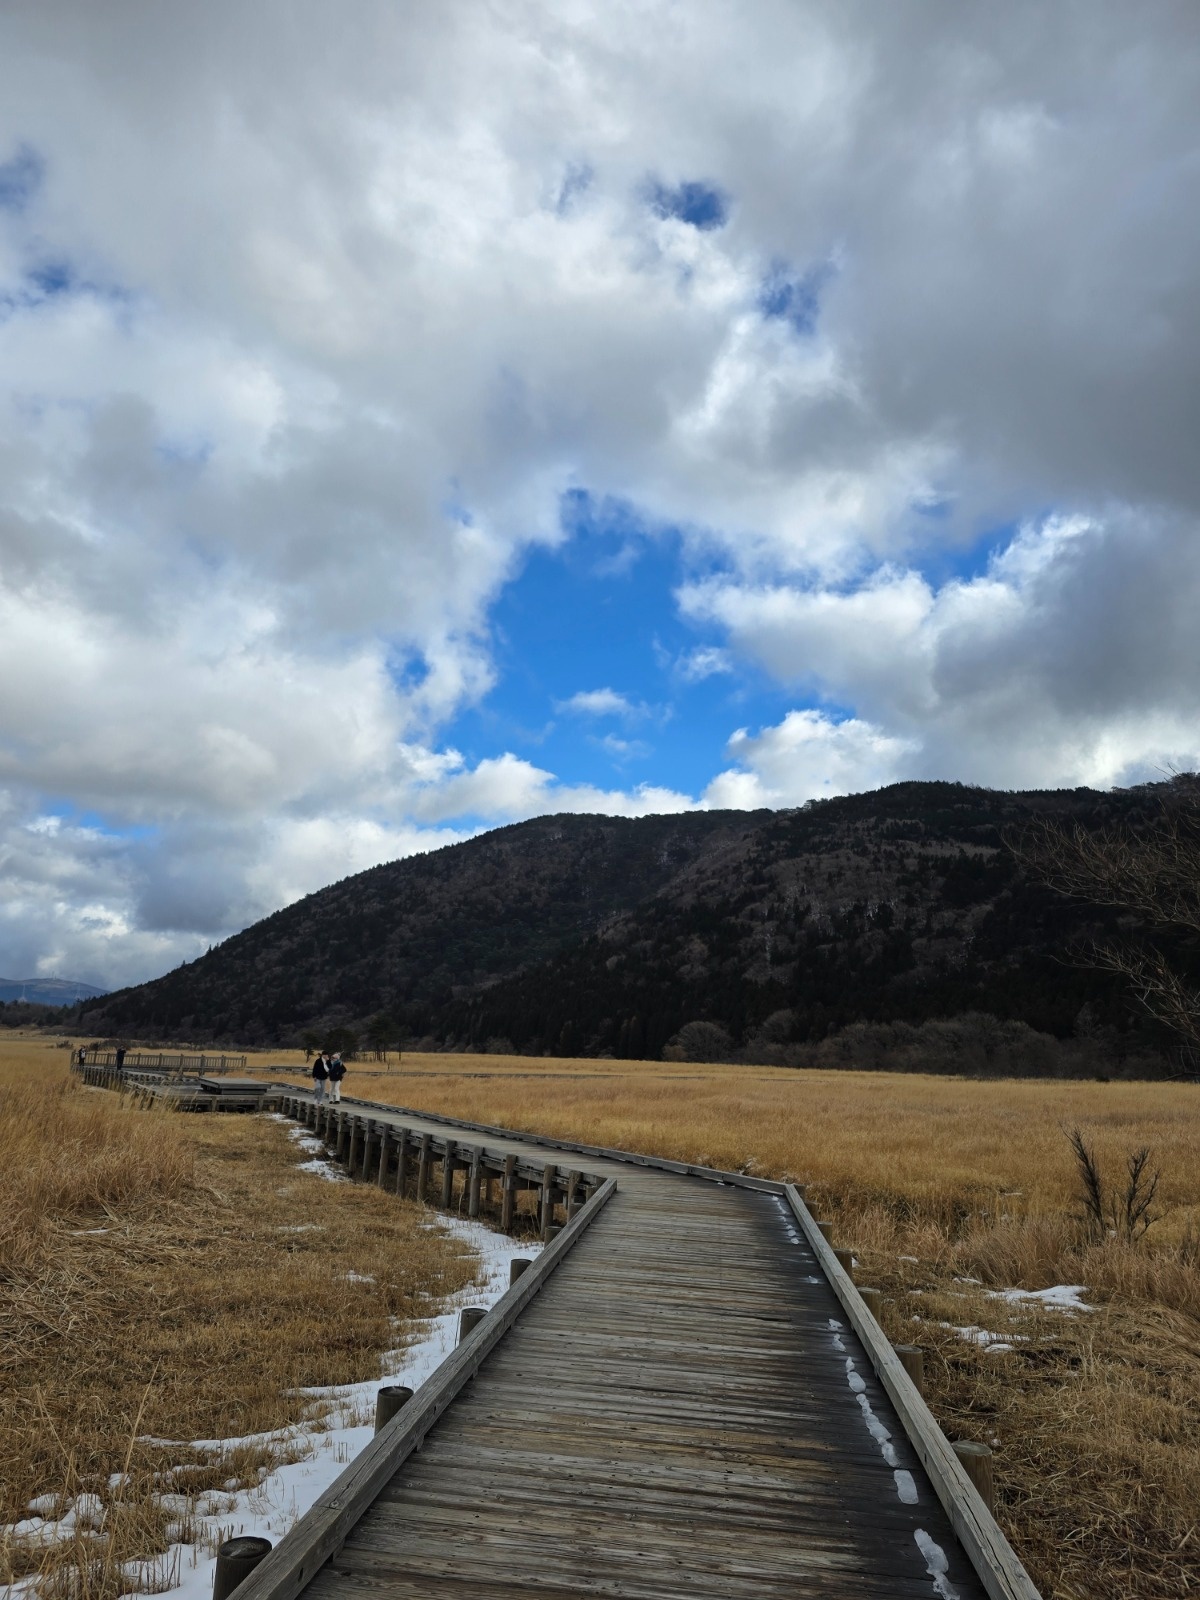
(20,178)
(700,204)
(794,297)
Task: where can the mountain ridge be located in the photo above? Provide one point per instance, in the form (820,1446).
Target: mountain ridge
(585,935)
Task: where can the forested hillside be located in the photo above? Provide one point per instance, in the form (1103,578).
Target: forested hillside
(598,935)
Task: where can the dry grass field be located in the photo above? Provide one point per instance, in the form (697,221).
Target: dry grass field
(172,1277)
(949,1189)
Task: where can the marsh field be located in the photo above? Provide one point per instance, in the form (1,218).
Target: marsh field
(156,1278)
(950,1190)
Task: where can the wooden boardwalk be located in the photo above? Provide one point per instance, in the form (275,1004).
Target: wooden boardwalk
(682,1410)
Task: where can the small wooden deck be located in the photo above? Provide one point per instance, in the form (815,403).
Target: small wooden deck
(683,1409)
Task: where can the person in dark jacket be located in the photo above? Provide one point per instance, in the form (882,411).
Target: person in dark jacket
(337,1071)
(320,1072)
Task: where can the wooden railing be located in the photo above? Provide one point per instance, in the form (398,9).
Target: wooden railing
(404,1161)
(157,1061)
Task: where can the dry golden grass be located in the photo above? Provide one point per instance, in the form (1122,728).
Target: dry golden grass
(1095,1418)
(173,1277)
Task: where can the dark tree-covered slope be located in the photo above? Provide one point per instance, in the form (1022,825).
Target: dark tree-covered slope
(581,935)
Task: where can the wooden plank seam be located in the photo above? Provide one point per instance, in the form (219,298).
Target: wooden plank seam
(323,1529)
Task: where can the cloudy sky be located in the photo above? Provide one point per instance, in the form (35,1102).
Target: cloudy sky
(418,417)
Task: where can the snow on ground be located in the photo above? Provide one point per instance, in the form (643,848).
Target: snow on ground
(1062,1297)
(340,1424)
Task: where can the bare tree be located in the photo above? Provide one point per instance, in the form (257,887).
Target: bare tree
(1152,875)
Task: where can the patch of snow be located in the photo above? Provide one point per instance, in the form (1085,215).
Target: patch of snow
(906,1487)
(913,1259)
(360,1277)
(936,1565)
(981,1336)
(323,1169)
(1062,1297)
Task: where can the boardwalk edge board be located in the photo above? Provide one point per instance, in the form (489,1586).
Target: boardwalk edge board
(988,1551)
(322,1530)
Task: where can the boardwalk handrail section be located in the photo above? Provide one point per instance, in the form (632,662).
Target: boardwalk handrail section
(994,1559)
(323,1529)
(157,1061)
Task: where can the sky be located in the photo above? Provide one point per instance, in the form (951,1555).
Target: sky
(418,418)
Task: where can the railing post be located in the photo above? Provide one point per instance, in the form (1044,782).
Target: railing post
(549,1178)
(473,1181)
(976,1462)
(388,1400)
(469,1317)
(912,1359)
(516,1267)
(237,1559)
(385,1150)
(508,1194)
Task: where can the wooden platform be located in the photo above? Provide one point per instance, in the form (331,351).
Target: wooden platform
(683,1410)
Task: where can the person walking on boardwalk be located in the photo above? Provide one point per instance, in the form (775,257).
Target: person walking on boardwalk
(320,1072)
(337,1071)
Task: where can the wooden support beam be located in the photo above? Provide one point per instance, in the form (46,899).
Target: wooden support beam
(572,1194)
(371,1138)
(474,1176)
(402,1161)
(549,1180)
(448,1175)
(355,1144)
(508,1194)
(385,1153)
(424,1162)
(342,1119)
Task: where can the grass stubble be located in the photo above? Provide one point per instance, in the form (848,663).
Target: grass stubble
(175,1278)
(1094,1417)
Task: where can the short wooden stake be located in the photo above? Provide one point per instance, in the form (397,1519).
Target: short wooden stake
(873,1300)
(352,1152)
(343,1135)
(448,1175)
(845,1260)
(516,1267)
(976,1462)
(237,1559)
(469,1317)
(549,1178)
(401,1159)
(827,1229)
(912,1359)
(508,1194)
(572,1194)
(385,1152)
(370,1145)
(388,1401)
(473,1178)
(424,1162)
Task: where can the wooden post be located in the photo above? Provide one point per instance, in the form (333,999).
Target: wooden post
(572,1194)
(388,1400)
(423,1165)
(473,1181)
(827,1229)
(448,1175)
(515,1268)
(342,1118)
(508,1194)
(237,1559)
(401,1159)
(371,1149)
(385,1151)
(469,1317)
(976,1462)
(549,1177)
(912,1359)
(873,1300)
(487,1189)
(352,1152)
(845,1260)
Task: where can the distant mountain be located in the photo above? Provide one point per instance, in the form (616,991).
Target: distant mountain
(603,935)
(47,991)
